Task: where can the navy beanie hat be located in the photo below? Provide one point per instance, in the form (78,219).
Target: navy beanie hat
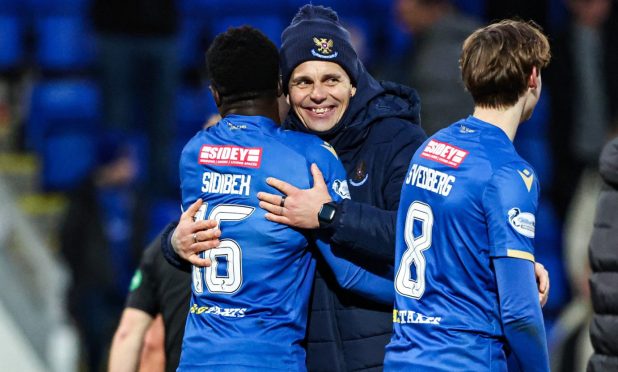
(315,34)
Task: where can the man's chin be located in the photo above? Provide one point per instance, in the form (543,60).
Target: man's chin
(320,126)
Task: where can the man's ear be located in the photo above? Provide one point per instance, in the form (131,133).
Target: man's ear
(353,92)
(215,95)
(279,88)
(533,79)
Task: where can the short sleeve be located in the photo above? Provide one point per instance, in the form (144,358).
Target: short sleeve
(143,290)
(510,202)
(325,157)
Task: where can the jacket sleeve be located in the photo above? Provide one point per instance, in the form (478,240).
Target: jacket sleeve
(368,229)
(168,251)
(520,311)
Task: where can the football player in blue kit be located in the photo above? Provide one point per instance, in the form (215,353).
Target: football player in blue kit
(249,306)
(466,294)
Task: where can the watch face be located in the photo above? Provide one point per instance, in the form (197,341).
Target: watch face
(327,213)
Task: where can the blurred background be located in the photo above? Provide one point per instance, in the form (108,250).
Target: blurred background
(98,97)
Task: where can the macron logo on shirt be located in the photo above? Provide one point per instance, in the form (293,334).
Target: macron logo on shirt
(236,156)
(444,153)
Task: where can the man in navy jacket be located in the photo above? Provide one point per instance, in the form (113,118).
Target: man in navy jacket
(375,136)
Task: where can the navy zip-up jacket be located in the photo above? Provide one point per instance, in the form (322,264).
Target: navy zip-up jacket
(375,140)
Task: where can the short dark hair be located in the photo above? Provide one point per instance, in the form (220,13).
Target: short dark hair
(242,64)
(496,61)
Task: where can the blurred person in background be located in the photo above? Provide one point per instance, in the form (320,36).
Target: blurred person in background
(101,238)
(536,10)
(603,252)
(437,30)
(139,74)
(583,83)
(154,314)
(583,87)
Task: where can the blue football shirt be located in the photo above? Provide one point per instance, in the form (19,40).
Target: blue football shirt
(249,309)
(467,197)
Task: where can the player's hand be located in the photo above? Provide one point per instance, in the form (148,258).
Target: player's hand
(190,238)
(542,280)
(300,207)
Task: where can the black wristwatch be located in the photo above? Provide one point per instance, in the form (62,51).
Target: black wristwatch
(326,215)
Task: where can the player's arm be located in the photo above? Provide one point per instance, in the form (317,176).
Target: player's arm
(153,350)
(141,308)
(128,339)
(521,312)
(357,279)
(508,193)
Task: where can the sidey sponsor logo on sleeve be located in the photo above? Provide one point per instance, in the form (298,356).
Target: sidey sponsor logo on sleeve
(225,155)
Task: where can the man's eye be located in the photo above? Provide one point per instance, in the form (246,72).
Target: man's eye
(302,83)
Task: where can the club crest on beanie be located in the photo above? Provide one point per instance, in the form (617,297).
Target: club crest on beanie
(315,34)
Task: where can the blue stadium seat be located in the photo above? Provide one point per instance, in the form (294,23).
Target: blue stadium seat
(67,159)
(57,7)
(11,41)
(12,7)
(63,43)
(270,25)
(62,106)
(62,112)
(162,213)
(218,8)
(192,44)
(194,106)
(342,7)
(398,41)
(363,36)
(474,8)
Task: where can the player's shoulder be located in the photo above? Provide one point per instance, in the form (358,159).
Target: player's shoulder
(515,174)
(296,138)
(310,146)
(510,162)
(153,252)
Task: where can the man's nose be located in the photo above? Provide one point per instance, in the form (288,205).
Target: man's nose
(318,93)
